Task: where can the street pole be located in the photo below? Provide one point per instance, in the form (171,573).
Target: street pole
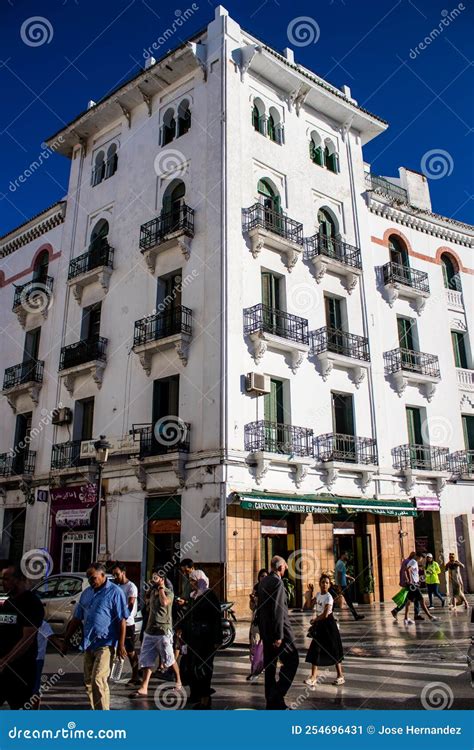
(99,510)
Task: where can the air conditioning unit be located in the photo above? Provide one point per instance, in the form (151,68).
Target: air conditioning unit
(257,383)
(62,416)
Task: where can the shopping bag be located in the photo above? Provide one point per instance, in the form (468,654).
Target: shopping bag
(257,658)
(400,598)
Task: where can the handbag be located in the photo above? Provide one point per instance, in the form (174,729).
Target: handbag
(401,597)
(312,632)
(257,658)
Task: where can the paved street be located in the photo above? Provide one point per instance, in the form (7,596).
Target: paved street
(386,666)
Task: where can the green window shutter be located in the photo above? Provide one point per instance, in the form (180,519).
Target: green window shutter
(270,290)
(333,313)
(459,349)
(415,435)
(273,403)
(405,334)
(468,431)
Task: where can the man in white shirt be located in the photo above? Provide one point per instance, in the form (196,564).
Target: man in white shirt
(414,592)
(119,572)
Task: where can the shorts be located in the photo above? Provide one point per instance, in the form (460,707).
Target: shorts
(130,638)
(155,646)
(414,595)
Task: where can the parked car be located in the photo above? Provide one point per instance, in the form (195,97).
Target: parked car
(60,594)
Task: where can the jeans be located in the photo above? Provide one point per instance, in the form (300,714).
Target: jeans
(97,666)
(275,690)
(433,590)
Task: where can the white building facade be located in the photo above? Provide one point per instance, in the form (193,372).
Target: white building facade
(262,330)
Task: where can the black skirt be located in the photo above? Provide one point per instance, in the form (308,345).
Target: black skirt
(326,648)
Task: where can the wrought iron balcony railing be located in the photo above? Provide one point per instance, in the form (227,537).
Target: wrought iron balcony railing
(395,273)
(168,323)
(87,350)
(339,342)
(385,187)
(461,463)
(180,219)
(68,455)
(334,248)
(35,295)
(259,215)
(422,457)
(274,437)
(168,435)
(20,463)
(95,257)
(268,319)
(335,446)
(26,372)
(411,361)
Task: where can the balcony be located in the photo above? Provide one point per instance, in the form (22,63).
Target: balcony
(386,188)
(153,334)
(421,461)
(275,230)
(274,443)
(24,379)
(68,456)
(332,254)
(335,348)
(94,266)
(461,464)
(17,465)
(407,366)
(173,229)
(85,357)
(346,453)
(465,379)
(402,281)
(454,300)
(33,298)
(270,328)
(165,444)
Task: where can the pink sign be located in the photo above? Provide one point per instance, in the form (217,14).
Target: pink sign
(427,503)
(82,494)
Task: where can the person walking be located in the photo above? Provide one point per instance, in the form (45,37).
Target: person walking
(277,635)
(102,612)
(414,592)
(456,587)
(201,630)
(21,615)
(119,572)
(404,582)
(158,636)
(255,642)
(432,571)
(342,586)
(326,646)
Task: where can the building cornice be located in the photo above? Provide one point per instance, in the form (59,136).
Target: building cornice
(33,228)
(424,221)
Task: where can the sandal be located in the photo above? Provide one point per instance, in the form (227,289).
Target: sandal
(339,681)
(136,694)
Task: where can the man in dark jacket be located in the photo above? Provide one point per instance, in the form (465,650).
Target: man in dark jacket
(277,635)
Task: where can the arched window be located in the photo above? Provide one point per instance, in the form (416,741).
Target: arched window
(173,202)
(450,271)
(270,200)
(98,242)
(328,232)
(274,126)
(184,118)
(98,172)
(316,149)
(168,130)
(258,116)
(40,271)
(331,159)
(112,161)
(398,251)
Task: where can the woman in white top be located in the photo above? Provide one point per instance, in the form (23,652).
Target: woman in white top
(326,646)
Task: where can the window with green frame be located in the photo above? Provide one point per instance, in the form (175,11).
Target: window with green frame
(316,153)
(468,431)
(459,349)
(331,160)
(450,273)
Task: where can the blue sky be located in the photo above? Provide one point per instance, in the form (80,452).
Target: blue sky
(373,46)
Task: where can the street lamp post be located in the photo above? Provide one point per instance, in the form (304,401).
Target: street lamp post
(101,455)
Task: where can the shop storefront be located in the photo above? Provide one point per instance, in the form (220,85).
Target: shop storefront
(428,526)
(163,534)
(73,527)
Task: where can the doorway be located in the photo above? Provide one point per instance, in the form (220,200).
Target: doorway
(280,536)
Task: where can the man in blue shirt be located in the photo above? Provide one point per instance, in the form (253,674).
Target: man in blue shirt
(102,611)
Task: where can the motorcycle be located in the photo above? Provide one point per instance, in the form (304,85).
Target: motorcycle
(228,627)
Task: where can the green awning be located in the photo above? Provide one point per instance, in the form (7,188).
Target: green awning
(287,503)
(379,507)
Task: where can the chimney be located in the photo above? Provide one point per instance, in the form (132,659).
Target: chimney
(91,103)
(417,187)
(149,62)
(289,54)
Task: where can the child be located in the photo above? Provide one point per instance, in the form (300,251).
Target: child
(326,646)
